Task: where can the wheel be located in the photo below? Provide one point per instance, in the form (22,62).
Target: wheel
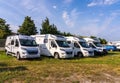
(18,56)
(96,53)
(80,54)
(105,51)
(56,56)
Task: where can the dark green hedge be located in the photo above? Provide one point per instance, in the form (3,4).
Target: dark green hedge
(2,42)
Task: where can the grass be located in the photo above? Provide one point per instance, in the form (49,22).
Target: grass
(90,69)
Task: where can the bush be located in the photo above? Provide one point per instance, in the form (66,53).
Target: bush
(2,42)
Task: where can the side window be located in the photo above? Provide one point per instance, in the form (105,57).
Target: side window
(12,42)
(69,42)
(53,44)
(76,45)
(91,45)
(45,41)
(16,43)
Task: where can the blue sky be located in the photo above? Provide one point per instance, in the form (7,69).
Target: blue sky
(100,18)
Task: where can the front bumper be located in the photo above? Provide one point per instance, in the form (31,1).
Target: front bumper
(64,55)
(30,56)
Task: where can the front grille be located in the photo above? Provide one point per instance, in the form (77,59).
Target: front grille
(104,50)
(90,52)
(32,52)
(68,52)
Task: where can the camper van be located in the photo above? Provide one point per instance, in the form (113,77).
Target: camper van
(22,46)
(80,47)
(54,45)
(96,46)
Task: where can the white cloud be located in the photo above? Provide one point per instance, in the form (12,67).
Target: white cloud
(102,2)
(89,29)
(109,20)
(13,7)
(14,28)
(40,7)
(101,14)
(98,26)
(67,19)
(70,18)
(28,4)
(54,6)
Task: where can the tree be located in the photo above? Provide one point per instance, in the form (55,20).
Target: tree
(103,41)
(66,34)
(47,28)
(93,37)
(4,29)
(28,27)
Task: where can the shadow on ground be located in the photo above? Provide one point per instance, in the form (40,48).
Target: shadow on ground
(19,68)
(2,64)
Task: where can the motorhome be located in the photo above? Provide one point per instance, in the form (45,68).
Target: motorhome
(80,47)
(54,45)
(95,44)
(22,46)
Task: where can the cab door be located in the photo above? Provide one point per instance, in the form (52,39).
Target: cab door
(76,48)
(52,47)
(92,46)
(16,46)
(11,46)
(44,48)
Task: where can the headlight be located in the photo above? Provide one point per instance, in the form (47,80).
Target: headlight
(99,49)
(86,52)
(85,49)
(24,51)
(62,49)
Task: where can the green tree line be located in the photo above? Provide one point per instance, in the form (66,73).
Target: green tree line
(4,29)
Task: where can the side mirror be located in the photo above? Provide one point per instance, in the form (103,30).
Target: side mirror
(54,46)
(17,45)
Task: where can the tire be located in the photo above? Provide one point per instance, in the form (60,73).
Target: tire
(80,54)
(95,53)
(18,56)
(56,56)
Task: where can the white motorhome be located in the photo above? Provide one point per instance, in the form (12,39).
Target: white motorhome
(54,45)
(22,46)
(96,46)
(81,48)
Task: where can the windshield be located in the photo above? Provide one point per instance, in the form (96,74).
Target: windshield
(62,43)
(27,42)
(84,44)
(98,44)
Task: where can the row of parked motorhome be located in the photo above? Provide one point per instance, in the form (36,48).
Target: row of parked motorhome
(56,46)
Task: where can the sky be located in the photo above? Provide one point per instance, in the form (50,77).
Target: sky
(99,18)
